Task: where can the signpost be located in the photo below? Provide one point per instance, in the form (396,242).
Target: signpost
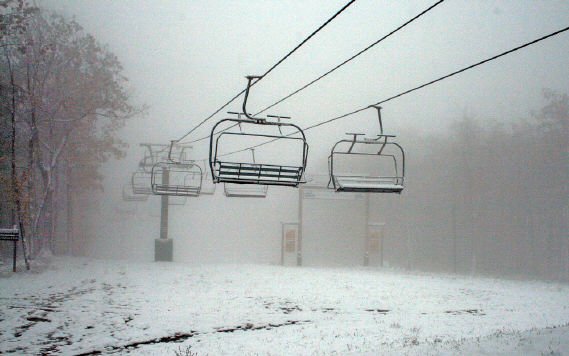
(13,235)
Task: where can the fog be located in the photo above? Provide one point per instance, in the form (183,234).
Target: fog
(487,168)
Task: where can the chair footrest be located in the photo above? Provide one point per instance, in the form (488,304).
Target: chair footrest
(162,189)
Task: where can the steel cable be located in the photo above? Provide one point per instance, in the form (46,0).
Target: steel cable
(527,44)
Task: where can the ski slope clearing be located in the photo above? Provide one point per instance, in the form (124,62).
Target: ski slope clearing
(83,306)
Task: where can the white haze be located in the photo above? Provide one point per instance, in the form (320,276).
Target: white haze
(186,58)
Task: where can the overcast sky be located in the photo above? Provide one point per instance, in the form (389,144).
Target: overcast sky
(186,58)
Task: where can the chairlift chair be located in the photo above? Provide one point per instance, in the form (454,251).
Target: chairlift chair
(141,182)
(180,179)
(226,170)
(129,195)
(387,155)
(207,185)
(176,177)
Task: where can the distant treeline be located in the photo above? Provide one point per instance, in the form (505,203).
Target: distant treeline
(486,200)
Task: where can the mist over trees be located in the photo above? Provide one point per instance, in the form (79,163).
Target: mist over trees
(63,100)
(486,199)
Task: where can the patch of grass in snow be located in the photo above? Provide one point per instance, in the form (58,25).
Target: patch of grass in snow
(187,351)
(412,340)
(552,352)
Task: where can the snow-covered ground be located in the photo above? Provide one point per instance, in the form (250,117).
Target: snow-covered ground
(84,306)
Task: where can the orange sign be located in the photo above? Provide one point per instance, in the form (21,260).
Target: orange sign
(290,241)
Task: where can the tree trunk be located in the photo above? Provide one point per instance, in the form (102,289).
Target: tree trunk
(69,209)
(32,191)
(15,185)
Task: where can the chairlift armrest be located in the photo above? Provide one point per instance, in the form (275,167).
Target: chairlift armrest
(279,116)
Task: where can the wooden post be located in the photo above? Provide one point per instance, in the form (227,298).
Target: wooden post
(14,234)
(15,255)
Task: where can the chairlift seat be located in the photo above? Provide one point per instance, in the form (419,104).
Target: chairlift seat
(245,190)
(368,184)
(253,173)
(166,189)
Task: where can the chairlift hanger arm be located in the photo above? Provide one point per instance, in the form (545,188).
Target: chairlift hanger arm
(172,143)
(250,78)
(378,108)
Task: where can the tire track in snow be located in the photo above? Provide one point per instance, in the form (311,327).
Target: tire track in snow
(181,337)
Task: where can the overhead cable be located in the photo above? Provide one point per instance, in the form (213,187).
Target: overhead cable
(351,58)
(270,69)
(418,87)
(337,66)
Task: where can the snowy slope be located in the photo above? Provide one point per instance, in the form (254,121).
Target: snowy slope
(84,306)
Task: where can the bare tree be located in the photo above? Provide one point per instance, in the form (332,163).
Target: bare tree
(74,102)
